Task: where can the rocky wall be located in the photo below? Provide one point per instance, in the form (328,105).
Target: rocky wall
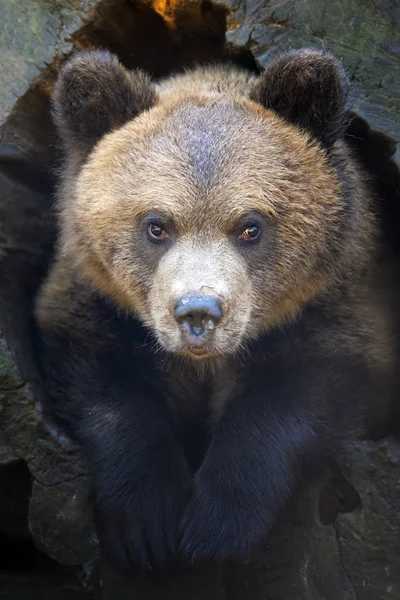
(338,541)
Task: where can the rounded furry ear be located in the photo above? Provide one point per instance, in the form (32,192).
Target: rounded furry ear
(308,88)
(95,94)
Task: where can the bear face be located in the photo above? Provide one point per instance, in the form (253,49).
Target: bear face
(211,216)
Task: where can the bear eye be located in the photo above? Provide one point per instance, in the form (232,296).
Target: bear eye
(156,232)
(251,233)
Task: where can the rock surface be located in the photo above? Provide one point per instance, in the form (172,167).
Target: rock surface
(340,541)
(32,35)
(364,35)
(48,472)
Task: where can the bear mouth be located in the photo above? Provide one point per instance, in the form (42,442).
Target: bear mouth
(199,352)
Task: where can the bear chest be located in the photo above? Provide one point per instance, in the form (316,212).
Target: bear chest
(191,393)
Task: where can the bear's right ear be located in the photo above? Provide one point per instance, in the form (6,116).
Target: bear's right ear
(95,94)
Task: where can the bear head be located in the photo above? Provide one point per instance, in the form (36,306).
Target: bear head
(211,216)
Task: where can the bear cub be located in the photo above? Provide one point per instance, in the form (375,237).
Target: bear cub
(214,326)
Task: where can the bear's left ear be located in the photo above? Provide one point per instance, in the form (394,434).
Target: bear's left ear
(95,94)
(308,88)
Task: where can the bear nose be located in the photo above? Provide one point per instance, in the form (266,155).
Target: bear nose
(198,314)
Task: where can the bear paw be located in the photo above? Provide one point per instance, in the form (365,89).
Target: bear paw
(138,529)
(219,526)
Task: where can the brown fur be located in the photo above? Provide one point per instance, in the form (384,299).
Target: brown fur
(269,166)
(97,105)
(198,462)
(321,88)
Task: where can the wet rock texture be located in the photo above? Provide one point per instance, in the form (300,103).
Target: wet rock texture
(337,541)
(365,35)
(43,481)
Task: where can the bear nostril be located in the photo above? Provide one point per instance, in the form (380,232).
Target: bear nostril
(200,313)
(208,324)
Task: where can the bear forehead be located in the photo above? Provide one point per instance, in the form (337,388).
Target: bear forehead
(201,151)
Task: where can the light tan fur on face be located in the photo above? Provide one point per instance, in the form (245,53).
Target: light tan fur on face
(206,158)
(203,269)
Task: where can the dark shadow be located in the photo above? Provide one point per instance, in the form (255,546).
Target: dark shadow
(337,496)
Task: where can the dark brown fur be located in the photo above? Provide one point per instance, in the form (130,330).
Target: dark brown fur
(96,96)
(321,89)
(195,457)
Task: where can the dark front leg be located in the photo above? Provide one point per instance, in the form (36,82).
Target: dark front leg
(139,471)
(140,477)
(265,444)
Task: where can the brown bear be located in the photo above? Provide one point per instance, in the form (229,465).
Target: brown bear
(214,326)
